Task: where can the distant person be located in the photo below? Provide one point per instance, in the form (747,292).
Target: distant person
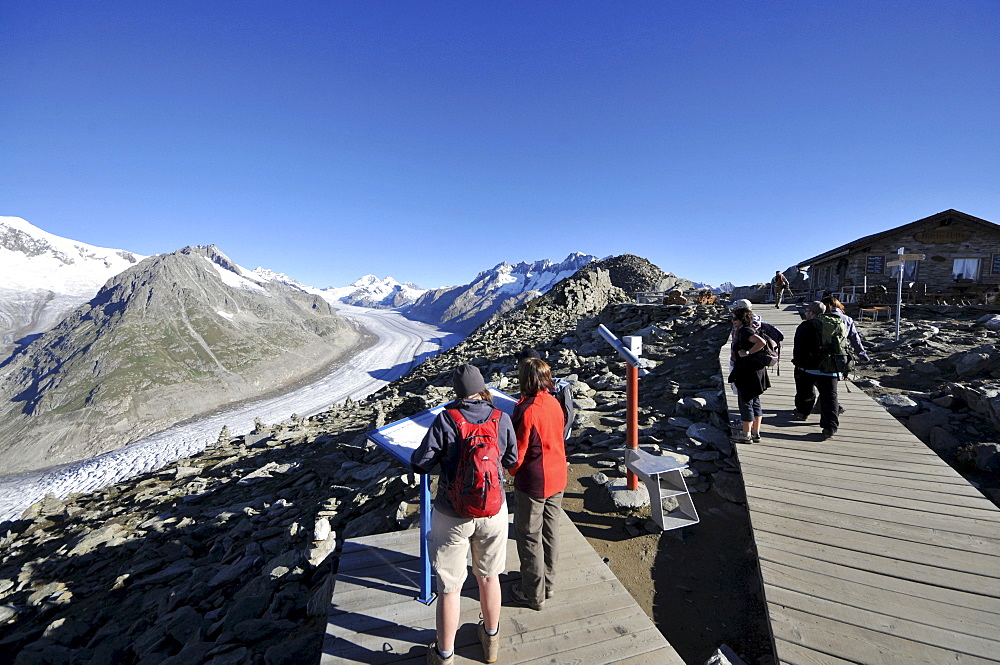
(563,395)
(447,443)
(816,369)
(834,306)
(748,375)
(539,482)
(779,284)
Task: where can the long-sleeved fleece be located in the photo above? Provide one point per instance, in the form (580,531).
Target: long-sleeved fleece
(541,453)
(438,447)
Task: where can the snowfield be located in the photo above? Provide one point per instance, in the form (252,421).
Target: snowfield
(401,345)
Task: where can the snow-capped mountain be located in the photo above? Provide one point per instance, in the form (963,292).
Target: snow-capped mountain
(370,291)
(172,337)
(725,287)
(501,288)
(44,276)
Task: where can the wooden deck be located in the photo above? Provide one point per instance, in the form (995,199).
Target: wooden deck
(592,618)
(872,549)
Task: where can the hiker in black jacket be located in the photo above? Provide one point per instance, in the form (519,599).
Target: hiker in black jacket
(806,356)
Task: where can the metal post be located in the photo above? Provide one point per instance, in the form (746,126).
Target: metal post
(426,595)
(632,417)
(899,291)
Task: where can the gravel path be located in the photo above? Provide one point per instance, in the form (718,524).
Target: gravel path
(400,345)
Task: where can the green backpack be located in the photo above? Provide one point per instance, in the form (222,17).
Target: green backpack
(834,355)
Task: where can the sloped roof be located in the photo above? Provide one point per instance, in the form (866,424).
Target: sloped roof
(868,240)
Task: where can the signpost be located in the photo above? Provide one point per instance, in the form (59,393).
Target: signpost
(901,258)
(400,439)
(629,348)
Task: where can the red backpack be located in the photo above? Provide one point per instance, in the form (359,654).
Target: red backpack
(477,490)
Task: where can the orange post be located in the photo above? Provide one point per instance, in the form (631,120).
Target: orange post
(632,416)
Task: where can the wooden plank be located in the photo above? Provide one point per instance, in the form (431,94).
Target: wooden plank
(794,654)
(795,503)
(961,605)
(920,639)
(771,544)
(917,609)
(859,644)
(891,488)
(794,458)
(372,622)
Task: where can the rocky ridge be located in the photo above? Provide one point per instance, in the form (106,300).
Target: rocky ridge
(228,556)
(174,336)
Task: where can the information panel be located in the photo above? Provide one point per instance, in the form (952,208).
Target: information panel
(402,437)
(995,265)
(875,265)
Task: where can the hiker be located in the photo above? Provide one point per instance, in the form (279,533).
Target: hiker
(539,482)
(563,395)
(809,355)
(834,306)
(452,535)
(778,284)
(748,376)
(756,322)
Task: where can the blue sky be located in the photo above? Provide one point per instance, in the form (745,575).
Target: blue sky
(428,141)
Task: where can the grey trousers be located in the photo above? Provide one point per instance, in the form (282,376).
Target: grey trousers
(536,529)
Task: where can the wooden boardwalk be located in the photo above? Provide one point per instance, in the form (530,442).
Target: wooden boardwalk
(872,549)
(592,619)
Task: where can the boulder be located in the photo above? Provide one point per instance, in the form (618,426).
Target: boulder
(898,405)
(729,486)
(707,434)
(942,440)
(922,423)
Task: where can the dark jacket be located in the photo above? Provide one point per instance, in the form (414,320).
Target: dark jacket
(540,471)
(438,447)
(805,352)
(749,377)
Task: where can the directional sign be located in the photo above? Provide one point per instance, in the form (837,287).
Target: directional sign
(911,257)
(895,263)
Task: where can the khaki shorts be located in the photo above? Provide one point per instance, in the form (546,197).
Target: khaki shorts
(450,541)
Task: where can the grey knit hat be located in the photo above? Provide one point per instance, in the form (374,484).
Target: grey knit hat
(816,307)
(467,380)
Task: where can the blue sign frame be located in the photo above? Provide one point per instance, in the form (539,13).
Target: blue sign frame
(400,439)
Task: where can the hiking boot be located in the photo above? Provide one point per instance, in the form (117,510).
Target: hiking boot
(829,432)
(549,592)
(741,437)
(799,416)
(490,643)
(754,437)
(518,598)
(434,658)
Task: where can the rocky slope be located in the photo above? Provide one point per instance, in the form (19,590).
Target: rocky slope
(228,556)
(175,336)
(44,276)
(494,291)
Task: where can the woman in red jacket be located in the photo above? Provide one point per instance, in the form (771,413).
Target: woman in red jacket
(539,481)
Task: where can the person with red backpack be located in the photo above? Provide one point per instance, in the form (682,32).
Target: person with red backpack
(539,481)
(473,442)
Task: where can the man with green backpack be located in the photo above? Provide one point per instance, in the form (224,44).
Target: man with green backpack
(821,358)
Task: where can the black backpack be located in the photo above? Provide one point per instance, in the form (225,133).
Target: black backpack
(563,392)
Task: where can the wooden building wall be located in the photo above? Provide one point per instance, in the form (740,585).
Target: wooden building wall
(941,244)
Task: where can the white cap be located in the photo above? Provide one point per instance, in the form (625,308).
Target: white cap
(741,303)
